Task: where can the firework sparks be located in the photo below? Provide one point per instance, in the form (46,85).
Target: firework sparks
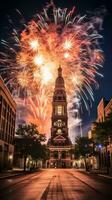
(48,41)
(34,45)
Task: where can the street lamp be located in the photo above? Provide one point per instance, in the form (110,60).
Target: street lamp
(10,160)
(10,157)
(99,146)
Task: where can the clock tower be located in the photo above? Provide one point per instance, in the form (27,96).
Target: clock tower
(59,144)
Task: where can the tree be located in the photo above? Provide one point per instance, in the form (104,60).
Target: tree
(83,148)
(103,130)
(39,151)
(28,142)
(102,133)
(30,130)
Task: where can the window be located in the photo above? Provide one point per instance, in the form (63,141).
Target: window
(59,123)
(59,98)
(60,110)
(55,124)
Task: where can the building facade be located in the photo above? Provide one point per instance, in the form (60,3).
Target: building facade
(106,152)
(7,126)
(101,110)
(104,158)
(59,144)
(108,108)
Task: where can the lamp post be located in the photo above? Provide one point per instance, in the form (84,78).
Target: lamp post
(107,157)
(99,146)
(10,160)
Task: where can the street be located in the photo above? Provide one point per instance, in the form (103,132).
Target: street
(56,184)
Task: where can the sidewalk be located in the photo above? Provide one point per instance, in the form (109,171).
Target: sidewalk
(16,172)
(102,172)
(97,172)
(105,176)
(11,173)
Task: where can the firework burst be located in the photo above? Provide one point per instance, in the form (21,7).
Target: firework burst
(52,38)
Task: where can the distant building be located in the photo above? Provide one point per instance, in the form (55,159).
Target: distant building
(106,152)
(7,126)
(108,108)
(59,144)
(103,109)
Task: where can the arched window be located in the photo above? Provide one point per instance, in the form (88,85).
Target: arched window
(59,123)
(59,110)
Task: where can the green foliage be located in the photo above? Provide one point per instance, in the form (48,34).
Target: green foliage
(45,152)
(103,130)
(30,131)
(39,151)
(100,134)
(29,142)
(83,147)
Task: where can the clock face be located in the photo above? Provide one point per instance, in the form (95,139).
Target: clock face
(59,123)
(59,132)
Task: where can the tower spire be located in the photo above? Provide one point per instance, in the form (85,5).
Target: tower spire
(59,84)
(59,71)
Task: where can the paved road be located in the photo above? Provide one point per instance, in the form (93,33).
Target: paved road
(56,184)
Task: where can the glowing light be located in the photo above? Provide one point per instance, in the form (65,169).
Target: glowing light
(23,79)
(38,60)
(77,79)
(10,157)
(36,74)
(34,44)
(66,55)
(46,75)
(67,45)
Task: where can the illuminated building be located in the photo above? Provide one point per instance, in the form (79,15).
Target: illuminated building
(59,144)
(104,158)
(101,110)
(7,126)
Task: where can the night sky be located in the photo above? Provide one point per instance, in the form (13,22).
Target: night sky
(29,7)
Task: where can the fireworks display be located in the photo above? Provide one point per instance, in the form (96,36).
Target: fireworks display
(31,57)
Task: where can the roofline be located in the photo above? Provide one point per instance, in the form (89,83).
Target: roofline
(7,92)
